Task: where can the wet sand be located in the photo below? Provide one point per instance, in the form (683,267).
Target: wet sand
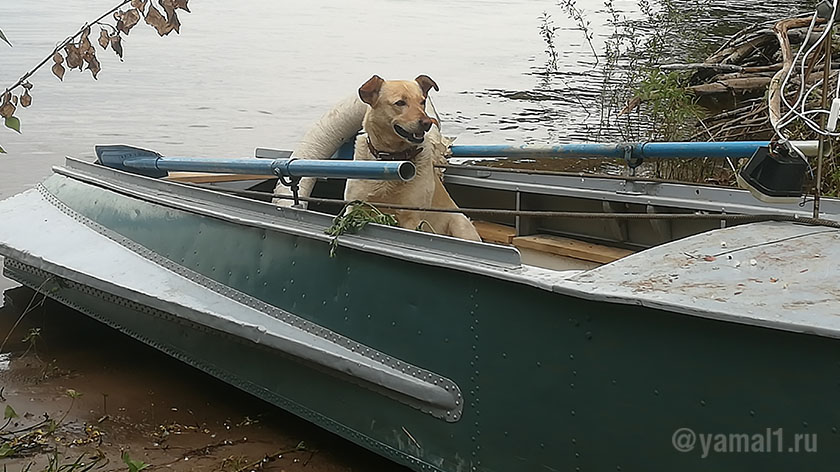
(140,401)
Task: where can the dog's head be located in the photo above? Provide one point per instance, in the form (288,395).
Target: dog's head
(398,108)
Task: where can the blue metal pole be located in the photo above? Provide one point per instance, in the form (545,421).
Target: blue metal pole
(675,150)
(373,170)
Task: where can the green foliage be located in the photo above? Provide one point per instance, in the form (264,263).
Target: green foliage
(671,109)
(355,216)
(631,80)
(6,450)
(133,465)
(13,123)
(54,464)
(547,29)
(636,100)
(585,26)
(10,413)
(74,395)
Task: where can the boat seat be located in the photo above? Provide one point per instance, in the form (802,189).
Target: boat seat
(549,251)
(573,248)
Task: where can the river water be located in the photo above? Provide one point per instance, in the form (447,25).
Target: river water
(257,73)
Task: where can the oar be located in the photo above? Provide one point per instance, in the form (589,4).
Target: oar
(634,151)
(151,164)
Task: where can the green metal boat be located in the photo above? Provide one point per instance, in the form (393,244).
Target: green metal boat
(700,342)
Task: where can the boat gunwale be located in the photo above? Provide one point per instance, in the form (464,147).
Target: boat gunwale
(630,190)
(288,220)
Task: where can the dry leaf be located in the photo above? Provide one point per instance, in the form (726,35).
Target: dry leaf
(58,70)
(127,20)
(85,47)
(26,85)
(93,65)
(168,6)
(58,58)
(171,17)
(25,99)
(7,109)
(74,58)
(174,23)
(182,5)
(156,20)
(139,4)
(116,45)
(104,39)
(630,106)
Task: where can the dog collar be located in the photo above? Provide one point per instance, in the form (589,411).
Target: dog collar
(406,155)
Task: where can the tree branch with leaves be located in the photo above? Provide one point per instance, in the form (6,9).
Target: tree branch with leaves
(77,51)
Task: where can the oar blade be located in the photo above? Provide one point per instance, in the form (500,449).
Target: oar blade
(115,156)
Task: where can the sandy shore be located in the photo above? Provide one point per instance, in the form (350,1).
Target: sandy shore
(132,399)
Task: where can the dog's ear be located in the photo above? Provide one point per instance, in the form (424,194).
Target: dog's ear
(369,91)
(426,83)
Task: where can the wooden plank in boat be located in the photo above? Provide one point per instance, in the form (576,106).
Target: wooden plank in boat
(494,232)
(571,248)
(205,178)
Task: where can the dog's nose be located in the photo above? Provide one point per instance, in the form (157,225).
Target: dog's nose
(425,123)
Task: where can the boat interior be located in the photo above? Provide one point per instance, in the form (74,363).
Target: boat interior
(557,243)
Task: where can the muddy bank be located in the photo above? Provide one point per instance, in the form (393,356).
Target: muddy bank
(137,400)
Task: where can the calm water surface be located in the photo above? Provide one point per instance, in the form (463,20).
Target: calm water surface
(257,73)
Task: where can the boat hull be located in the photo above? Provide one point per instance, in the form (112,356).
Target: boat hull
(549,381)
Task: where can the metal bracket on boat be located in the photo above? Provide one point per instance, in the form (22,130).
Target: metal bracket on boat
(292,182)
(631,160)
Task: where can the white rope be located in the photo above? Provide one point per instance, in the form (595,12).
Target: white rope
(324,138)
(796,110)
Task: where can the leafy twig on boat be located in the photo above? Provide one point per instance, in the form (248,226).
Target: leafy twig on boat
(355,216)
(77,51)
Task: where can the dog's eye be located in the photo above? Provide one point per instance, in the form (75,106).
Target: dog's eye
(400,103)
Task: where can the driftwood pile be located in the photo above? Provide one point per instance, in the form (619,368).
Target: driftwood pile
(751,64)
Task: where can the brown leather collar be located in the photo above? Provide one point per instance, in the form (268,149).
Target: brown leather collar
(406,155)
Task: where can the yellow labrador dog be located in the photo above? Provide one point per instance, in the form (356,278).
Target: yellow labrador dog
(396,127)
